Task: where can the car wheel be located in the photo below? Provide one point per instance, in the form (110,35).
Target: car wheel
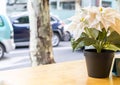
(55,39)
(67,36)
(1,51)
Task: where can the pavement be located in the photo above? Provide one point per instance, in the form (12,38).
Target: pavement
(19,58)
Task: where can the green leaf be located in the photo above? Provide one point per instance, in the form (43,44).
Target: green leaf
(102,35)
(114,38)
(75,43)
(98,39)
(83,40)
(83,34)
(89,41)
(92,32)
(112,47)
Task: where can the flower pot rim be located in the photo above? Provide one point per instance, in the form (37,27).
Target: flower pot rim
(102,51)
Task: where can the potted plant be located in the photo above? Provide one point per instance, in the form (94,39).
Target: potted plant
(100,30)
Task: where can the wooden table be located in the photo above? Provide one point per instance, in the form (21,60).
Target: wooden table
(67,73)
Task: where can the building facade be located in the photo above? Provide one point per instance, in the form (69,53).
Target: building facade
(110,3)
(70,4)
(67,7)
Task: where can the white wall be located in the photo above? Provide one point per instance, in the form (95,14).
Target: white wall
(118,5)
(2,6)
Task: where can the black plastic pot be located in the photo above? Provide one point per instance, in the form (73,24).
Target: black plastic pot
(98,64)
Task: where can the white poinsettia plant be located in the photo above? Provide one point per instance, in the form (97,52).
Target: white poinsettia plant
(100,28)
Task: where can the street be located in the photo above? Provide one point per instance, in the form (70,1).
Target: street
(19,58)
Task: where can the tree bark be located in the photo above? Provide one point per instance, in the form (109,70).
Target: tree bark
(41,51)
(77,6)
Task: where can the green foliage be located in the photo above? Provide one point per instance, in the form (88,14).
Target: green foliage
(98,39)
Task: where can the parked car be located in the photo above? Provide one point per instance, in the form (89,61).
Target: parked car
(6,35)
(21,29)
(68,33)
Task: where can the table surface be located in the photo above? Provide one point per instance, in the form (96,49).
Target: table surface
(67,73)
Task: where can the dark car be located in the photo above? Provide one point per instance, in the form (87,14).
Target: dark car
(21,29)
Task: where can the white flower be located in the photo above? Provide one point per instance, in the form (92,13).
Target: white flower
(95,17)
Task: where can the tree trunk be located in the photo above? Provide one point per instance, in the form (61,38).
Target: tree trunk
(40,32)
(100,3)
(77,6)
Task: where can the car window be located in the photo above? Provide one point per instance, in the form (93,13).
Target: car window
(52,19)
(1,22)
(23,20)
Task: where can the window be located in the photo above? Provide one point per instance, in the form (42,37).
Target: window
(68,5)
(13,2)
(23,20)
(106,3)
(54,5)
(1,22)
(52,19)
